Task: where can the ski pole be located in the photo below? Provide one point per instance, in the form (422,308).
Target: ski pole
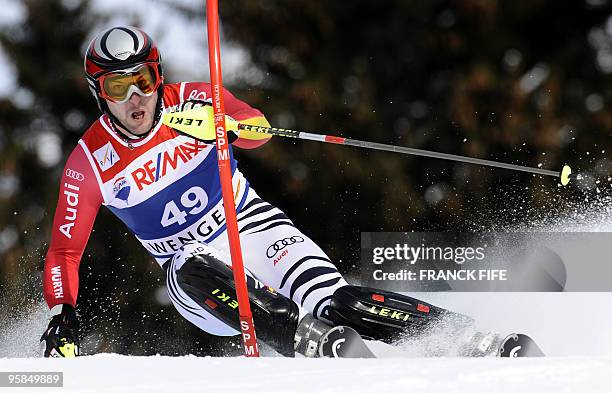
(245,315)
(196,123)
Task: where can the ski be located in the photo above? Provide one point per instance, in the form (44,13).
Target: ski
(343,342)
(519,345)
(492,344)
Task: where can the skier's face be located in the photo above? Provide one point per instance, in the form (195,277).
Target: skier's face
(136,113)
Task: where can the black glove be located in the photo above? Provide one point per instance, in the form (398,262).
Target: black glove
(193,104)
(61,337)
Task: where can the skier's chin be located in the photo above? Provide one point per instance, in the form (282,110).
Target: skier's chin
(140,126)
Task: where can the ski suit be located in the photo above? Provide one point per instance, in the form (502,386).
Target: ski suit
(165,188)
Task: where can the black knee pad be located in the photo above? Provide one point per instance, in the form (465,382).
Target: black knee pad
(210,283)
(384,315)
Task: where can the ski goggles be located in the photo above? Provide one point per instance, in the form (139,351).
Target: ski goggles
(118,86)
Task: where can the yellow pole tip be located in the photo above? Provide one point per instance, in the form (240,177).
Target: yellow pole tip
(565,175)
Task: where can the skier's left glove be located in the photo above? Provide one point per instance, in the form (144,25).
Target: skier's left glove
(61,339)
(192,104)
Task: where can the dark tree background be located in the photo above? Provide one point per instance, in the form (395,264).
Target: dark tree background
(521,82)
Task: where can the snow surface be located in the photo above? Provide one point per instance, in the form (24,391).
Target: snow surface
(574,328)
(116,373)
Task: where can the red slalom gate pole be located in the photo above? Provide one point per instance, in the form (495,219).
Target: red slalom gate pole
(225,172)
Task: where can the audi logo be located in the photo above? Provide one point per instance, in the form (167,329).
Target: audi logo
(280,244)
(75,175)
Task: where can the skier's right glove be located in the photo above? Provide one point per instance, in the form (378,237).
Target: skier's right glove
(195,103)
(61,337)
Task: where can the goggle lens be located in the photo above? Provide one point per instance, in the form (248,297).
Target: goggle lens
(115,86)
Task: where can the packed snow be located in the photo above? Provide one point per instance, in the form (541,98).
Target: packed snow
(115,373)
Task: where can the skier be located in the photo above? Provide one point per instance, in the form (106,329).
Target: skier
(165,188)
